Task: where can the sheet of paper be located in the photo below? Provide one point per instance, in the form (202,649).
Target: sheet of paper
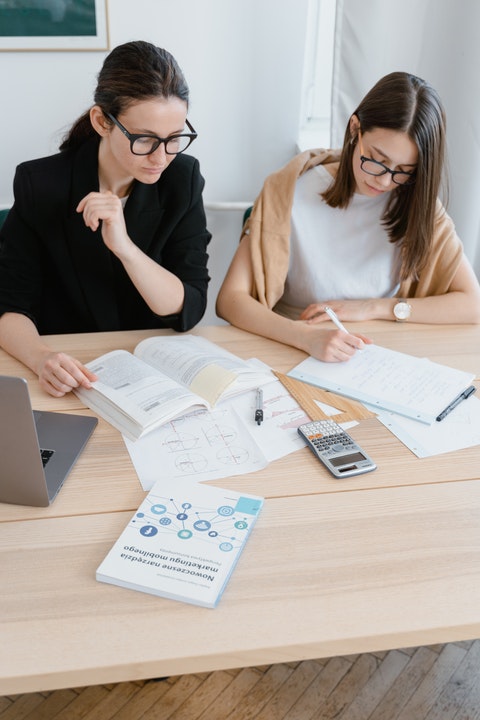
(460,429)
(204,445)
(209,445)
(277,435)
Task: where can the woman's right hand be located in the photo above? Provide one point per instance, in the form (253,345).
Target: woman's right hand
(60,373)
(332,345)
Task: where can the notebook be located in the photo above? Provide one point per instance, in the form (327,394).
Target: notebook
(389,380)
(26,435)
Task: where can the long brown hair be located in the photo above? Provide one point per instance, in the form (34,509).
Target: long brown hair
(406,103)
(132,72)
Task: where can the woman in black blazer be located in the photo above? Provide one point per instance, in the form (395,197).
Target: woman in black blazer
(109,234)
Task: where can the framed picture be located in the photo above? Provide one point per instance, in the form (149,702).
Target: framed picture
(53,25)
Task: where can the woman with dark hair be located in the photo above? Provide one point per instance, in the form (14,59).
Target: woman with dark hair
(360,230)
(110,233)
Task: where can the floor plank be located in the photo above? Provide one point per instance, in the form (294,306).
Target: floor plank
(438,682)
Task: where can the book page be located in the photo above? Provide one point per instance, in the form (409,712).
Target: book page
(211,382)
(136,391)
(205,368)
(411,386)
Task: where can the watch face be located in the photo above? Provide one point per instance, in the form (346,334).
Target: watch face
(402,311)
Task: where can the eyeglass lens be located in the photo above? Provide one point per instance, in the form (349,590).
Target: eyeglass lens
(374,167)
(145,144)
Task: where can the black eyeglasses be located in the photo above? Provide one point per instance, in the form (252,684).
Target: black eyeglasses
(375,167)
(147,144)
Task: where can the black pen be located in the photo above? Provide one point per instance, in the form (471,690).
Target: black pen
(259,407)
(463,396)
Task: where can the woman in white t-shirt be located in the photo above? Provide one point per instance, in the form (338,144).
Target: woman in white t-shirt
(360,230)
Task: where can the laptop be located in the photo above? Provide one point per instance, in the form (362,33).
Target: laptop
(37,449)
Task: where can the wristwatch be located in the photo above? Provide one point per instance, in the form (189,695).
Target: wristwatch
(402,310)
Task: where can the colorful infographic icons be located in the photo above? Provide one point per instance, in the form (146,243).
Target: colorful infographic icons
(224,525)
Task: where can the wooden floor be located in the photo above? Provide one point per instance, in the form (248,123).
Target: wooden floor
(440,682)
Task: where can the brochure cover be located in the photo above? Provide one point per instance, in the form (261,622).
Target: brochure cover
(182,543)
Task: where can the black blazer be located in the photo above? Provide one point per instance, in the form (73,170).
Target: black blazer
(60,274)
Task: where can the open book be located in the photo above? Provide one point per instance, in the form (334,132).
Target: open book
(415,387)
(183,542)
(166,376)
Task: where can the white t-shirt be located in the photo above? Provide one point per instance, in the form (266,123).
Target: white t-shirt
(338,253)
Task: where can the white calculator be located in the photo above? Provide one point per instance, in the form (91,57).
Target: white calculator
(335,448)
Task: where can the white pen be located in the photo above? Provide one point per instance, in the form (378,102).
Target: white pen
(334,318)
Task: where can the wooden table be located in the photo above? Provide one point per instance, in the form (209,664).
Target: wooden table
(389,559)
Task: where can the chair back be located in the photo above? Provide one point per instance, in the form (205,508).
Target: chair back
(3,215)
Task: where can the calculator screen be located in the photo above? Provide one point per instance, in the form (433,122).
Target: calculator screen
(345,459)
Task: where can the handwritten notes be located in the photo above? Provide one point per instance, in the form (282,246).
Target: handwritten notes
(386,379)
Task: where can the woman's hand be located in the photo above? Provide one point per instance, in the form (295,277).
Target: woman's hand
(353,310)
(333,345)
(105,207)
(161,289)
(59,373)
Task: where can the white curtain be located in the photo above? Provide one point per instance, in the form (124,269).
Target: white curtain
(438,40)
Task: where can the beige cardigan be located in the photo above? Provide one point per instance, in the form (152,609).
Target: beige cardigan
(269,230)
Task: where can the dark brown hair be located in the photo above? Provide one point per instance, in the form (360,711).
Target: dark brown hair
(132,72)
(406,103)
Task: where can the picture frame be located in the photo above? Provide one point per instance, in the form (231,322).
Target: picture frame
(50,25)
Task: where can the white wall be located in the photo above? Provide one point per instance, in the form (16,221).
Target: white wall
(243,60)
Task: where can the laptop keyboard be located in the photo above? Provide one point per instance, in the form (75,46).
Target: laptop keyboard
(46,455)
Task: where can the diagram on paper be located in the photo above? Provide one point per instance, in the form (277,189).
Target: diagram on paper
(284,410)
(201,445)
(216,436)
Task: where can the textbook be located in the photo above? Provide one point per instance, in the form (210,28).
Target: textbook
(183,542)
(167,376)
(414,387)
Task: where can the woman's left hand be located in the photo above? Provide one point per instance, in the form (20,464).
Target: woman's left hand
(105,207)
(352,310)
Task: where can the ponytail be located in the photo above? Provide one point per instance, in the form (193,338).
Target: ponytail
(132,72)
